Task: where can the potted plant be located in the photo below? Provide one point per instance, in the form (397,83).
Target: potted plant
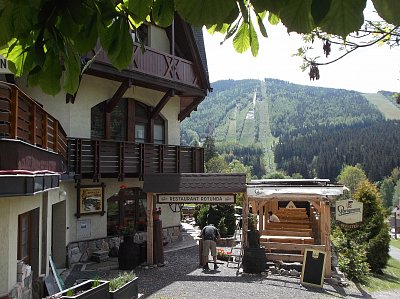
(124,286)
(89,289)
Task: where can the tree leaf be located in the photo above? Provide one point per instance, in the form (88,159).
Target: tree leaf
(163,12)
(72,71)
(241,41)
(205,12)
(22,17)
(273,6)
(49,78)
(222,28)
(87,36)
(67,25)
(6,24)
(117,41)
(296,16)
(273,19)
(15,55)
(389,10)
(263,30)
(253,40)
(344,17)
(319,9)
(141,8)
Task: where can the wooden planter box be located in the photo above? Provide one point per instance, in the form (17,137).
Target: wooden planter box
(127,291)
(85,290)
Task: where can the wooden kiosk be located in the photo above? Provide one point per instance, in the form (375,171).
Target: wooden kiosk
(303,207)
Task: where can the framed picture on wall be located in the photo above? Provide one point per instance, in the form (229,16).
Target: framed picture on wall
(90,199)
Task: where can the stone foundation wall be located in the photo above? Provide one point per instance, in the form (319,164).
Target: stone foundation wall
(172,234)
(23,288)
(81,251)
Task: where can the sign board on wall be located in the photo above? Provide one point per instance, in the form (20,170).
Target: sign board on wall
(4,66)
(349,211)
(205,198)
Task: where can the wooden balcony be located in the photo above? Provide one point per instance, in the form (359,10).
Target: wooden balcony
(152,64)
(30,138)
(97,159)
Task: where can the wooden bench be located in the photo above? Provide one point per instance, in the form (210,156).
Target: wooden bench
(281,247)
(288,252)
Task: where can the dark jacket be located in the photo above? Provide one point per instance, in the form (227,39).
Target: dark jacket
(209,232)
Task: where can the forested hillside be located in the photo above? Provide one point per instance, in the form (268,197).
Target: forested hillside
(275,125)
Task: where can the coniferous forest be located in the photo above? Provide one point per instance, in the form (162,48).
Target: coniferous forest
(273,125)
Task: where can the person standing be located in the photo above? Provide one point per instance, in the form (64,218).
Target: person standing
(210,234)
(272,217)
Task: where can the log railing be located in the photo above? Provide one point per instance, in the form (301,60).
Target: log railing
(156,63)
(24,119)
(88,158)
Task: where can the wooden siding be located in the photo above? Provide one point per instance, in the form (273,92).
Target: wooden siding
(120,159)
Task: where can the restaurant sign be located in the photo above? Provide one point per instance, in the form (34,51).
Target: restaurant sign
(205,198)
(349,211)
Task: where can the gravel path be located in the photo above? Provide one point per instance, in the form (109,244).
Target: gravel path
(182,278)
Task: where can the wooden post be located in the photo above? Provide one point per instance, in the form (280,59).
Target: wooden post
(254,205)
(266,205)
(150,228)
(45,131)
(55,136)
(328,264)
(33,125)
(261,215)
(245,221)
(14,113)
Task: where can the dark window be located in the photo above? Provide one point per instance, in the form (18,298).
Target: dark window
(125,122)
(126,211)
(118,121)
(24,242)
(97,121)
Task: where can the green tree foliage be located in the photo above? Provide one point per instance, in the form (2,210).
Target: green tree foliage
(47,34)
(372,234)
(387,192)
(323,151)
(276,175)
(396,195)
(222,228)
(214,213)
(237,167)
(351,177)
(375,230)
(209,149)
(216,165)
(352,258)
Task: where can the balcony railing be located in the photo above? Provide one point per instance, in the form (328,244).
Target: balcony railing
(24,119)
(88,158)
(159,64)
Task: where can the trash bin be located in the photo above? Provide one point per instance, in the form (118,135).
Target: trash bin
(254,260)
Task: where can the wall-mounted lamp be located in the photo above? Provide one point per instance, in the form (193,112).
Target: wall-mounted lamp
(63,194)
